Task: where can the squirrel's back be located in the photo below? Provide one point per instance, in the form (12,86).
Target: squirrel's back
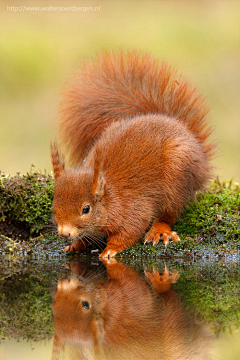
(122,86)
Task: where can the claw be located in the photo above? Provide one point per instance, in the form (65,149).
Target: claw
(68,248)
(165,239)
(156,239)
(175,236)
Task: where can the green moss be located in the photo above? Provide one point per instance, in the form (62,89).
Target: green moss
(27,200)
(214,214)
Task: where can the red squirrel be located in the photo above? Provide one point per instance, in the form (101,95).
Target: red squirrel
(137,140)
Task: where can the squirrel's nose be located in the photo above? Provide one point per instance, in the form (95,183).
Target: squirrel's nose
(64,231)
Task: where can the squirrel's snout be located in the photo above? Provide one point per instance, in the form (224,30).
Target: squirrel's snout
(67,231)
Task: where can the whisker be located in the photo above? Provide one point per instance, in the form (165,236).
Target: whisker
(97,274)
(93,238)
(99,241)
(90,237)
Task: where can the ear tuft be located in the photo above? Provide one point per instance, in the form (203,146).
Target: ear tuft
(98,183)
(100,187)
(58,162)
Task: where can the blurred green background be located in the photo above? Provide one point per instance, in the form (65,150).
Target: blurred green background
(41,49)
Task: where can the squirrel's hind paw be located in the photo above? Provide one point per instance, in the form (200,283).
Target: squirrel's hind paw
(159,229)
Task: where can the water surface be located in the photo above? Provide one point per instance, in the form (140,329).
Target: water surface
(80,308)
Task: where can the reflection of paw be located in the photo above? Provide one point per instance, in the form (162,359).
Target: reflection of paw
(110,261)
(162,283)
(160,229)
(108,253)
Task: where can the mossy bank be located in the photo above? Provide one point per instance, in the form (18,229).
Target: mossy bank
(209,226)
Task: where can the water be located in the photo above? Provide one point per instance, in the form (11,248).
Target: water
(79,308)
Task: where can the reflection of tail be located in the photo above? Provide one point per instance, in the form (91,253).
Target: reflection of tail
(121,317)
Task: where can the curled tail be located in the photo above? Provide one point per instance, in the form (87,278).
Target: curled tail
(122,85)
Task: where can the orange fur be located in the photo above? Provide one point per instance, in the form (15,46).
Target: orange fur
(136,134)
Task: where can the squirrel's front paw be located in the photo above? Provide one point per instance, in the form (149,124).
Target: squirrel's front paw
(69,248)
(76,246)
(114,246)
(159,229)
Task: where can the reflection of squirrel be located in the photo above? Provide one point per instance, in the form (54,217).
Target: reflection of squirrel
(122,317)
(136,133)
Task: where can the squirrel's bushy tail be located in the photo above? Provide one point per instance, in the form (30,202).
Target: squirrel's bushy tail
(118,86)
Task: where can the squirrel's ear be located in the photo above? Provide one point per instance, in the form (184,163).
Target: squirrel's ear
(98,183)
(58,162)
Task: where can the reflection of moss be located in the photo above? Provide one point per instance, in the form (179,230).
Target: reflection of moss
(25,307)
(212,292)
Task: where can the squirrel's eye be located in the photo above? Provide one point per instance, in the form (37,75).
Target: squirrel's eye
(86,209)
(85,305)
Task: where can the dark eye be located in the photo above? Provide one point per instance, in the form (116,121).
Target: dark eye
(86,209)
(85,305)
